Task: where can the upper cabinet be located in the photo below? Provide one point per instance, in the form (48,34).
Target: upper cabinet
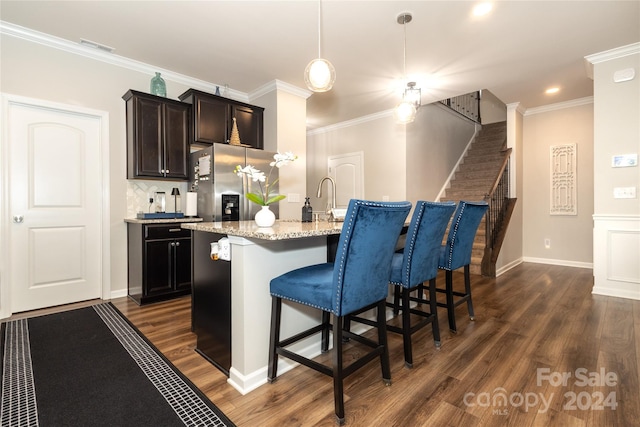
(158,137)
(213,115)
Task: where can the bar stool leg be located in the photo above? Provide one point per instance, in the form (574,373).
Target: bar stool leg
(451,308)
(338,380)
(274,339)
(467,289)
(433,307)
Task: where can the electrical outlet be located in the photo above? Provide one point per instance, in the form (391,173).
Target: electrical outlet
(293,197)
(547,243)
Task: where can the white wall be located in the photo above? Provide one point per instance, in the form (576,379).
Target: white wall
(384,147)
(511,251)
(570,235)
(435,142)
(616,234)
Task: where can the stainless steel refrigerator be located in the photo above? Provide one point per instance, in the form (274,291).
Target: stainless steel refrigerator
(220,191)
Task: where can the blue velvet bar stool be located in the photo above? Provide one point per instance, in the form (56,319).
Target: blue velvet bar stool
(413,265)
(357,279)
(456,253)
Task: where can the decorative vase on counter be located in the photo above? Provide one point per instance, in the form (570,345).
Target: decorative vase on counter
(265,217)
(158,86)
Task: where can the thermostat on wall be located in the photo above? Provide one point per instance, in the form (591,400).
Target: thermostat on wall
(624,75)
(624,160)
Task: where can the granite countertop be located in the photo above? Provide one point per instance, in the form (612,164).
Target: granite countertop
(162,220)
(281,230)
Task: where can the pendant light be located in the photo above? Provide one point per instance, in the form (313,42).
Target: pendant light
(405,111)
(319,74)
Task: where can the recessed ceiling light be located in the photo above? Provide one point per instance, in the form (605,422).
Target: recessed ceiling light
(552,90)
(482,9)
(95,45)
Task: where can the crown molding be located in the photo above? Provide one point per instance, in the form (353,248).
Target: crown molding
(608,55)
(281,86)
(559,106)
(516,106)
(12,30)
(353,122)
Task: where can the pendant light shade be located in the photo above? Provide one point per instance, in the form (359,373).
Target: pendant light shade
(405,111)
(319,74)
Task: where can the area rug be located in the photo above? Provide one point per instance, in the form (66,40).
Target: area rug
(91,367)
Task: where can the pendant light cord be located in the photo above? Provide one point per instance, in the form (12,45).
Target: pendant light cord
(404,27)
(319,32)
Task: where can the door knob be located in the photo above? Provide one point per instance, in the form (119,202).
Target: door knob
(18,219)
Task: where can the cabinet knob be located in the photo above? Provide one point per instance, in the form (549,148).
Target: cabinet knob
(167,171)
(173,243)
(177,243)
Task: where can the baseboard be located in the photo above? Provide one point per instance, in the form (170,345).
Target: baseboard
(509,266)
(562,262)
(118,294)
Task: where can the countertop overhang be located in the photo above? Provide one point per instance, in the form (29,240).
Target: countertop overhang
(162,220)
(281,230)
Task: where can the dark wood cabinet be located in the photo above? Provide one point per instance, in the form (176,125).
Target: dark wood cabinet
(158,137)
(159,261)
(213,115)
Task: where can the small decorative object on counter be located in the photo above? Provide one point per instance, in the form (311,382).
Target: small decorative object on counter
(307,211)
(265,217)
(158,86)
(217,90)
(235,135)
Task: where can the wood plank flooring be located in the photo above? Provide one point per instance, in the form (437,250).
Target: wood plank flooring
(533,320)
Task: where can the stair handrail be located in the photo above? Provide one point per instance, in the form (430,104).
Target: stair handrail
(503,166)
(496,203)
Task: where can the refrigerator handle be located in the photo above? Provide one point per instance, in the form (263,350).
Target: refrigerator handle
(245,202)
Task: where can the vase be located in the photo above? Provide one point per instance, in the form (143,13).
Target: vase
(158,87)
(264,217)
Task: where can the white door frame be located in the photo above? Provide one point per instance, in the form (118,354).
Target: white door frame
(5,215)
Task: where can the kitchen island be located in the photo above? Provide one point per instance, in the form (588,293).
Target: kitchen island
(239,291)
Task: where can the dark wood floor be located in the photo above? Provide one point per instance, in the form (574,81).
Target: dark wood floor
(534,319)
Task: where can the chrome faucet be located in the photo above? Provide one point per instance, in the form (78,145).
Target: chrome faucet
(330,206)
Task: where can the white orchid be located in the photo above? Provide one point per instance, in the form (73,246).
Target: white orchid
(253,173)
(263,198)
(283,159)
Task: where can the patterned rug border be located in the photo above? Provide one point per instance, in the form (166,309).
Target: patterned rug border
(189,403)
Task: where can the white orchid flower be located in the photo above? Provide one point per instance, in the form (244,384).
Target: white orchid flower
(282,159)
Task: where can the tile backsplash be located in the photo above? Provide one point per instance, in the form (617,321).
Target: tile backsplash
(139,192)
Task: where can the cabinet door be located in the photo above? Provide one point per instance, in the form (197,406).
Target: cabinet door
(148,138)
(249,122)
(182,271)
(158,260)
(211,120)
(176,141)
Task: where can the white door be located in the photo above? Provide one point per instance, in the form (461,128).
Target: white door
(347,171)
(54,179)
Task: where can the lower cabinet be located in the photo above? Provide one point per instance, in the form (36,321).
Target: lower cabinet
(159,261)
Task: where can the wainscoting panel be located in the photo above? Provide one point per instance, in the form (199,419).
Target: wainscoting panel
(616,243)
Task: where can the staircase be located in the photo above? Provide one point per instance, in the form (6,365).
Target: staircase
(483,175)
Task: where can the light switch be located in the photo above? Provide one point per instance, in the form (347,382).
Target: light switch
(624,193)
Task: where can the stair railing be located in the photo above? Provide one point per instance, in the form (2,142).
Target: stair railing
(467,105)
(497,199)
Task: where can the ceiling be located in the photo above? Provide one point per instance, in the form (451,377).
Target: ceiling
(517,51)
